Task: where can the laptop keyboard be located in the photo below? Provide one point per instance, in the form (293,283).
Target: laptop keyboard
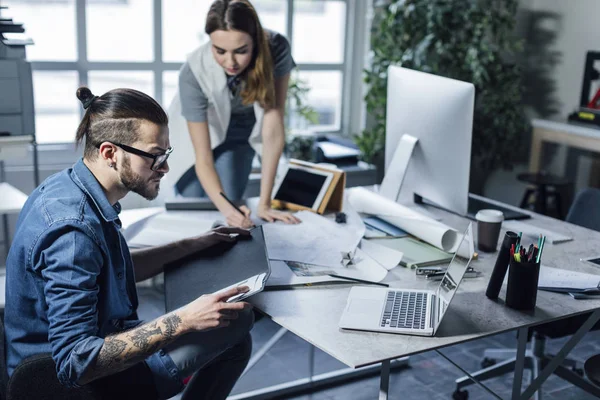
(405,310)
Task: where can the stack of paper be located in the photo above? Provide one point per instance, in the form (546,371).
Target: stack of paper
(565,281)
(388,230)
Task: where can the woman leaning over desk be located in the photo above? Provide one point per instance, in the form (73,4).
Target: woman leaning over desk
(232,93)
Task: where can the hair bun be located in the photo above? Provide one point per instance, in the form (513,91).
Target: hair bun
(86,97)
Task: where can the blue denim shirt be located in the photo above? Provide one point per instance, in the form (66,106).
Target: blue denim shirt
(69,277)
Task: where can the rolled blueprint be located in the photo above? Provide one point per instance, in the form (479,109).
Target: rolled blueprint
(427,229)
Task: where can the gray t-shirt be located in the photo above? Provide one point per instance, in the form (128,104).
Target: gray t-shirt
(194,102)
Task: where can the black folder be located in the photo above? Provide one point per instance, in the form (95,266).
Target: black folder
(217,268)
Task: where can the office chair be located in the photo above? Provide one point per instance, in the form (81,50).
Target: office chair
(585,211)
(35,378)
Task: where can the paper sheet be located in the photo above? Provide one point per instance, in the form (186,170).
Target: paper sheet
(427,229)
(167,227)
(317,240)
(533,232)
(365,268)
(565,280)
(388,258)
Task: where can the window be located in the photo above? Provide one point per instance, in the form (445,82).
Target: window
(141,44)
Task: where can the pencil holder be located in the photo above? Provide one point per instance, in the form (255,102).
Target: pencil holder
(521,291)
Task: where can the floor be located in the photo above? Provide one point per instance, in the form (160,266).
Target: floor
(429,376)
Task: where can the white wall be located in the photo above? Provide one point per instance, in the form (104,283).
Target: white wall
(571,30)
(578,32)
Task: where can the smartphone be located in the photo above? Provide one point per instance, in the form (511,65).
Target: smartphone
(592,260)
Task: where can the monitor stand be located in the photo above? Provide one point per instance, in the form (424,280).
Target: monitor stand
(392,181)
(477,203)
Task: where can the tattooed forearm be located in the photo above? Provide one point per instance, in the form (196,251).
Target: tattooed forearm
(124,349)
(141,337)
(172,322)
(111,352)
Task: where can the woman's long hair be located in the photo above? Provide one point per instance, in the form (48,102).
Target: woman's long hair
(240,15)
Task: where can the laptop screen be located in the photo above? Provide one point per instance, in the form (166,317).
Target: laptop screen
(455,272)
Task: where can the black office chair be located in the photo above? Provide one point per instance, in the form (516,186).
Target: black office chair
(35,378)
(585,211)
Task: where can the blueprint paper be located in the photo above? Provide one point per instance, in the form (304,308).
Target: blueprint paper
(427,229)
(316,240)
(387,257)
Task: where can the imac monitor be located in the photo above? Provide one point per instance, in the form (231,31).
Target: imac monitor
(438,112)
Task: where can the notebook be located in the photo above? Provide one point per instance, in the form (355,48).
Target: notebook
(415,253)
(242,263)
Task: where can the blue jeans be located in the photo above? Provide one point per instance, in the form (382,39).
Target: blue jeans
(233,163)
(214,359)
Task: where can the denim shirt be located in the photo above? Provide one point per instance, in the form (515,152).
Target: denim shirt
(69,276)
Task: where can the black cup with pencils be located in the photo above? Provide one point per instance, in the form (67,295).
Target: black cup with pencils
(523,274)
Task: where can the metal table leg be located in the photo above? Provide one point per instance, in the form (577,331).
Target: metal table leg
(520,362)
(384,384)
(264,349)
(562,354)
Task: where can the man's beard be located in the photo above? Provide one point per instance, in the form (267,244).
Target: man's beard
(135,183)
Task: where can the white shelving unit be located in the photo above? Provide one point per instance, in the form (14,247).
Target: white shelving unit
(11,198)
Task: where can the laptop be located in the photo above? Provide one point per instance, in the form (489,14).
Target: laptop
(407,311)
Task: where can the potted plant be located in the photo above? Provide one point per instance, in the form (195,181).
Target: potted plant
(299,144)
(471,41)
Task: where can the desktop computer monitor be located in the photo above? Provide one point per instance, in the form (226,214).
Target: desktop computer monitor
(435,115)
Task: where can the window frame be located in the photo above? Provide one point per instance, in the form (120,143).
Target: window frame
(355,44)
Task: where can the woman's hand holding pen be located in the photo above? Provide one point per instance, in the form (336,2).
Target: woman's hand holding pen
(268,214)
(235,218)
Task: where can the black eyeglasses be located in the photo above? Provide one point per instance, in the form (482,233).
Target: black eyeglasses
(157,160)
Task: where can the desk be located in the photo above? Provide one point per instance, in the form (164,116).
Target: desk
(313,313)
(578,136)
(308,313)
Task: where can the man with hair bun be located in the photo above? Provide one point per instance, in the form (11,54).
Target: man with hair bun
(70,277)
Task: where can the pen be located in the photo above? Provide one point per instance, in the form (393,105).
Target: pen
(541,249)
(233,205)
(358,280)
(518,242)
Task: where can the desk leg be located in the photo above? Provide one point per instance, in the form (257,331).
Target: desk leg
(384,384)
(535,154)
(562,354)
(263,350)
(520,362)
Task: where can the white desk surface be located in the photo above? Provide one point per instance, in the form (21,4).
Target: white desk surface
(576,129)
(313,313)
(11,199)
